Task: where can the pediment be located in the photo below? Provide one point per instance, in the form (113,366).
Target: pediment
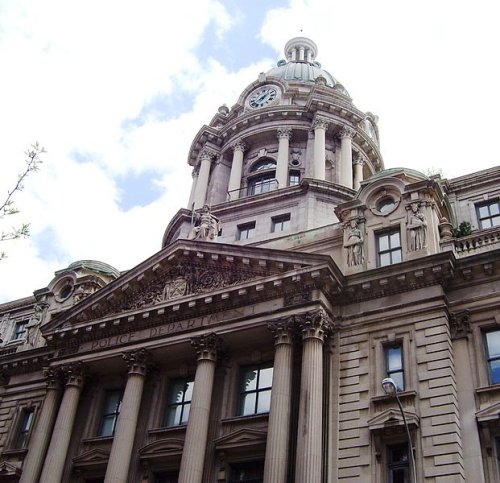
(95,456)
(391,418)
(491,413)
(162,448)
(8,469)
(241,438)
(185,270)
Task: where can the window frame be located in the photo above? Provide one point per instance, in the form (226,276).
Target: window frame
(21,435)
(20,334)
(394,466)
(399,249)
(258,391)
(283,219)
(104,415)
(490,358)
(246,227)
(390,372)
(292,174)
(171,407)
(490,217)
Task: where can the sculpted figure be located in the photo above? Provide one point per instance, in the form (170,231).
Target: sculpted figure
(206,226)
(354,245)
(416,226)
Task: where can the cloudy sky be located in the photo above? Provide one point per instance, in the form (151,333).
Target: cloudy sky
(116,90)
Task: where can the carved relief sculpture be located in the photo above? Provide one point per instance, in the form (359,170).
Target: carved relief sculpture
(416,227)
(353,244)
(206,227)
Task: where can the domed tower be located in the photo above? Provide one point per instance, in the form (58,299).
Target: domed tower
(292,148)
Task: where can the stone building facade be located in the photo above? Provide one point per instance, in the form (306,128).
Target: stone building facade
(252,346)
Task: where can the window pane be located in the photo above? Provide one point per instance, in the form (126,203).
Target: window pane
(486,223)
(264,401)
(493,341)
(396,256)
(495,371)
(398,378)
(189,391)
(248,404)
(483,211)
(250,380)
(496,221)
(495,209)
(395,241)
(394,358)
(112,402)
(266,377)
(385,259)
(108,426)
(383,243)
(185,414)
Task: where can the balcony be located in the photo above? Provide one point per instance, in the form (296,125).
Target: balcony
(478,242)
(253,189)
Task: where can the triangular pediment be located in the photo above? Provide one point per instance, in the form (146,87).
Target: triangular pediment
(162,448)
(241,438)
(391,418)
(8,469)
(92,457)
(185,271)
(488,414)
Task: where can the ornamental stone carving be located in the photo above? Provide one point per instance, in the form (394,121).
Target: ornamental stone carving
(207,153)
(347,132)
(137,361)
(207,227)
(359,159)
(284,132)
(460,324)
(320,123)
(74,373)
(282,330)
(315,325)
(353,243)
(206,346)
(416,227)
(239,146)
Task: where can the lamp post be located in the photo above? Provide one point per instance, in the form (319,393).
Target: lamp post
(391,389)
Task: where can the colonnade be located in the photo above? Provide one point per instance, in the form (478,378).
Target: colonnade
(48,450)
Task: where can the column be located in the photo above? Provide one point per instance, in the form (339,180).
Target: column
(41,434)
(195,443)
(310,428)
(358,171)
(284,135)
(320,126)
(58,449)
(278,430)
(123,440)
(200,195)
(194,175)
(236,170)
(346,136)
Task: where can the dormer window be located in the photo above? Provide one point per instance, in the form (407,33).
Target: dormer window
(386,205)
(265,178)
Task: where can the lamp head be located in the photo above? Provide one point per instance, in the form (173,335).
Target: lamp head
(389,386)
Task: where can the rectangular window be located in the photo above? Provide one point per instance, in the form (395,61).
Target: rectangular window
(488,214)
(293,178)
(23,431)
(111,410)
(20,330)
(166,477)
(246,231)
(255,390)
(178,402)
(493,355)
(394,365)
(280,223)
(247,472)
(389,248)
(398,464)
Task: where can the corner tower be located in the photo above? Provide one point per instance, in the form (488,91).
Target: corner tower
(293,139)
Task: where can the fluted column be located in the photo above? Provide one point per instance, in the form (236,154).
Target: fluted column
(195,443)
(194,175)
(278,432)
(236,170)
(123,440)
(284,135)
(41,433)
(358,171)
(320,126)
(346,136)
(59,443)
(200,195)
(310,427)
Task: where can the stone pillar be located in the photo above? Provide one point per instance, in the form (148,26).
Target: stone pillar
(284,135)
(41,433)
(200,195)
(195,442)
(53,466)
(358,171)
(346,136)
(320,126)
(194,175)
(278,432)
(236,170)
(309,462)
(123,440)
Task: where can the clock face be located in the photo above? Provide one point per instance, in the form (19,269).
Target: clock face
(262,97)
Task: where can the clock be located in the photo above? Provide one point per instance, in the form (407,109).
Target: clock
(262,97)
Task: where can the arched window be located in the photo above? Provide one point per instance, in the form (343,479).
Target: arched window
(265,179)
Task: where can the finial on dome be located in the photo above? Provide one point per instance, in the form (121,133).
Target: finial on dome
(301,49)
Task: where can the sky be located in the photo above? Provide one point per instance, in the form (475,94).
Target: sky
(116,90)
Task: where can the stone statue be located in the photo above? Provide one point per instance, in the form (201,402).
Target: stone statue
(206,227)
(354,245)
(416,226)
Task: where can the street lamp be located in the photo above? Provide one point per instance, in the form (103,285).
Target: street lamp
(391,389)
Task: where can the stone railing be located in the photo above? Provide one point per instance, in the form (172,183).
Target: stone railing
(478,242)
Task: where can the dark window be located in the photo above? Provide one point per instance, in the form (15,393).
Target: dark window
(262,184)
(397,463)
(255,390)
(248,472)
(20,330)
(23,430)
(488,214)
(166,477)
(493,355)
(394,365)
(179,401)
(280,223)
(246,231)
(111,410)
(389,248)
(293,177)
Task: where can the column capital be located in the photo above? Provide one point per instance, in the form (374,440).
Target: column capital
(74,374)
(315,325)
(284,133)
(359,159)
(347,132)
(239,146)
(320,123)
(208,154)
(282,330)
(137,361)
(460,324)
(206,346)
(195,172)
(54,377)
